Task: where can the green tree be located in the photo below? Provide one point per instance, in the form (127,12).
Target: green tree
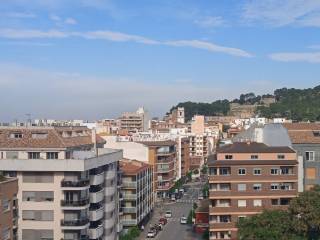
(269,225)
(305,212)
(205,235)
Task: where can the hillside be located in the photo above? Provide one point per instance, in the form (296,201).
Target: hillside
(295,104)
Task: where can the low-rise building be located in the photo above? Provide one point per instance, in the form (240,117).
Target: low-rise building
(202,216)
(8,208)
(244,179)
(137,192)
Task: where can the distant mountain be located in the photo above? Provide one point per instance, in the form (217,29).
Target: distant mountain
(295,104)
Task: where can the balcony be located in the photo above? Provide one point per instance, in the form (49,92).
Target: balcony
(75,224)
(129,209)
(97,179)
(129,222)
(110,191)
(129,184)
(81,183)
(96,233)
(110,175)
(81,204)
(96,214)
(96,197)
(109,223)
(130,196)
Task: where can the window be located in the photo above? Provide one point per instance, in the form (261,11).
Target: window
(16,135)
(5,204)
(33,155)
(12,155)
(274,171)
(316,133)
(254,157)
(225,218)
(284,201)
(37,215)
(286,186)
(224,171)
(274,186)
(310,156)
(285,170)
(242,203)
(5,233)
(257,171)
(274,202)
(32,234)
(242,187)
(229,157)
(213,171)
(241,171)
(257,203)
(257,187)
(37,177)
(37,196)
(52,155)
(281,156)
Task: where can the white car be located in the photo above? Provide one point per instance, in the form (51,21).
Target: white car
(200,197)
(151,234)
(168,214)
(183,220)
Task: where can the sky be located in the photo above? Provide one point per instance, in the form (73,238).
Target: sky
(93,59)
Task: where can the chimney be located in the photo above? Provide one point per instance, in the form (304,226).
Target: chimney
(94,140)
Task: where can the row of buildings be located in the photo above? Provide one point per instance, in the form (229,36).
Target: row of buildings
(263,168)
(61,183)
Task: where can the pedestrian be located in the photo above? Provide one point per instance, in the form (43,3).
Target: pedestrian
(142,227)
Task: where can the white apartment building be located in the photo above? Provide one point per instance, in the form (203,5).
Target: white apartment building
(68,184)
(138,121)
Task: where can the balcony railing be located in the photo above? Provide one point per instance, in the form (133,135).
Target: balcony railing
(129,196)
(80,203)
(129,184)
(71,223)
(75,183)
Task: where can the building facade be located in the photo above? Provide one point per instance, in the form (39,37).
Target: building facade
(137,192)
(68,184)
(244,179)
(8,208)
(135,121)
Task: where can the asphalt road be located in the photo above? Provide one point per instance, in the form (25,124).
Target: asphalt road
(173,230)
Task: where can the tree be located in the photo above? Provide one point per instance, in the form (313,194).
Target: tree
(269,225)
(132,234)
(305,211)
(205,235)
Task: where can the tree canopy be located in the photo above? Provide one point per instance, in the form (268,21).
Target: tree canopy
(301,221)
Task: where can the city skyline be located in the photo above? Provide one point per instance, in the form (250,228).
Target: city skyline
(96,59)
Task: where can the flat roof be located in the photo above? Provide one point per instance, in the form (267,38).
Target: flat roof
(253,147)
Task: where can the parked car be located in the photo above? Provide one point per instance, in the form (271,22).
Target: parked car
(152,233)
(168,214)
(173,197)
(183,220)
(200,197)
(158,227)
(163,221)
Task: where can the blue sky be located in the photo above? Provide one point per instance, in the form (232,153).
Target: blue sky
(96,58)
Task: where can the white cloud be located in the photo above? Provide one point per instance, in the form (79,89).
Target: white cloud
(54,17)
(283,12)
(120,37)
(70,21)
(210,21)
(18,15)
(311,57)
(209,47)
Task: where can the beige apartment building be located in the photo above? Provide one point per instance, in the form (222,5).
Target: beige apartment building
(137,192)
(8,208)
(68,184)
(245,178)
(135,121)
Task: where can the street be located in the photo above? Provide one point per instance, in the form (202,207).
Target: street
(173,230)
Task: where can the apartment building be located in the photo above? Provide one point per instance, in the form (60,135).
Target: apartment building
(8,208)
(184,156)
(160,154)
(305,138)
(137,192)
(245,178)
(135,121)
(68,184)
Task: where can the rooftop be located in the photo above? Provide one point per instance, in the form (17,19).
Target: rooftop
(303,133)
(45,137)
(158,143)
(253,147)
(203,206)
(130,167)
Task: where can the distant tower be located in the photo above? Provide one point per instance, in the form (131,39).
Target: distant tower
(180,115)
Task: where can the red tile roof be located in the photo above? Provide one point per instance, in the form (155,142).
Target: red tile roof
(303,133)
(132,167)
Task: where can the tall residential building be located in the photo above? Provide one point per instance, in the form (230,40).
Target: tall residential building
(305,138)
(184,156)
(8,208)
(68,184)
(160,154)
(137,192)
(246,178)
(135,121)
